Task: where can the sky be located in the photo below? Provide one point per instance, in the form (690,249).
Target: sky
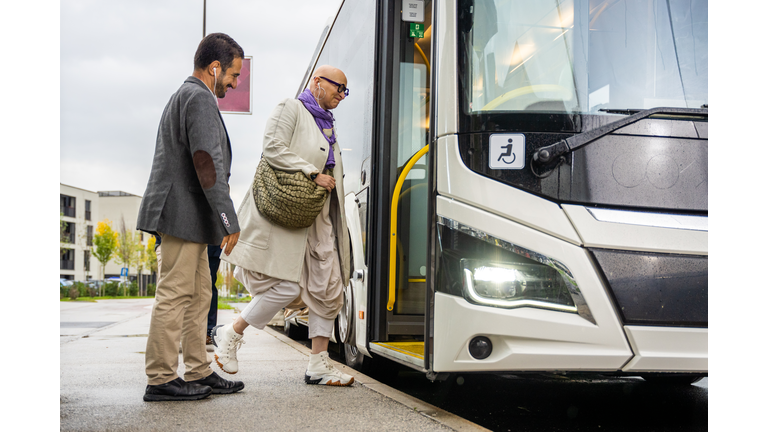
(122,60)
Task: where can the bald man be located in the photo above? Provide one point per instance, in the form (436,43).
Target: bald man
(296,268)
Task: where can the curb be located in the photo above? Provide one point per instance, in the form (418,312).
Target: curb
(427,410)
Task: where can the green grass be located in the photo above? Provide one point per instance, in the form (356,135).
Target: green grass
(246,299)
(93,299)
(224,303)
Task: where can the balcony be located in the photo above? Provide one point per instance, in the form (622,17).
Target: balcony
(67,264)
(68,211)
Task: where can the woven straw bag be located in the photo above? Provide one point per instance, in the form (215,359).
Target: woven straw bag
(288,199)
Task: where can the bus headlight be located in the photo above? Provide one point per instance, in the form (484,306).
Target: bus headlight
(510,285)
(486,270)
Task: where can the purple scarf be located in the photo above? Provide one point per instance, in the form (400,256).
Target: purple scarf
(324,120)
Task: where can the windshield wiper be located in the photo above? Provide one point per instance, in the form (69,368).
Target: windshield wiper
(549,153)
(619,111)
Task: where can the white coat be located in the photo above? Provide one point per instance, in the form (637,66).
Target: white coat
(292,142)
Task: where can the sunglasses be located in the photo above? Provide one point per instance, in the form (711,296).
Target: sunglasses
(341,87)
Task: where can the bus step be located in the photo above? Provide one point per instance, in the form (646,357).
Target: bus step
(409,352)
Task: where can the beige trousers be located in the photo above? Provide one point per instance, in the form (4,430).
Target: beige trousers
(182,300)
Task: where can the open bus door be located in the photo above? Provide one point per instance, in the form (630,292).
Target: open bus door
(397,229)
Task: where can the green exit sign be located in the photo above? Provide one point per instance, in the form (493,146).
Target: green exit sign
(417,30)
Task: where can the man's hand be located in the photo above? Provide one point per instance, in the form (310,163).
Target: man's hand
(230,241)
(326,181)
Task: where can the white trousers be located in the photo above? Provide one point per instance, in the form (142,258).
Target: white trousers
(264,307)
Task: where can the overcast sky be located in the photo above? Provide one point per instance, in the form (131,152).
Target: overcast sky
(122,60)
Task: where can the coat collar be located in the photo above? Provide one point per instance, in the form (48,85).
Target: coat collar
(198,81)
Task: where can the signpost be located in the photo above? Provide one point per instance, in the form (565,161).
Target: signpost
(124,279)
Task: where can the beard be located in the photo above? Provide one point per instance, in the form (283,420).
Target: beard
(220,89)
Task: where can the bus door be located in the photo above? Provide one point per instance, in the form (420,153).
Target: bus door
(403,296)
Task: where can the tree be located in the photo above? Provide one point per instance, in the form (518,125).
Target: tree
(126,248)
(151,255)
(141,262)
(227,281)
(105,244)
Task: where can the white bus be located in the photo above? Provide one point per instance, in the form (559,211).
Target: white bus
(527,185)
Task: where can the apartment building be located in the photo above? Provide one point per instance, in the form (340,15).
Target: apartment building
(82,210)
(121,208)
(79,209)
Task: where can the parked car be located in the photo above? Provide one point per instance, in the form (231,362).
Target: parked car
(94,283)
(65,282)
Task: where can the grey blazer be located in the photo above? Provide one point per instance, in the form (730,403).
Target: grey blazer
(187,194)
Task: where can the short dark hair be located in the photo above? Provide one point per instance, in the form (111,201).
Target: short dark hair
(217,46)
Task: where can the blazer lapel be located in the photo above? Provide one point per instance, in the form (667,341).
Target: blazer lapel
(229,145)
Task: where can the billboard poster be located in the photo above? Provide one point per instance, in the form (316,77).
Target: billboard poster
(238,100)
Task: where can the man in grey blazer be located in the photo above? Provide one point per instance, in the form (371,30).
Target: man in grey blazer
(187,204)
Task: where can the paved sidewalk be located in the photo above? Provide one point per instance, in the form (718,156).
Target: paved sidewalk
(102,384)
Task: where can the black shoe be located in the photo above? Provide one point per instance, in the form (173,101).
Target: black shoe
(176,390)
(219,384)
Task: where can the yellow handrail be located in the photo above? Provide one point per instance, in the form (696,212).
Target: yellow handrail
(393,225)
(424,57)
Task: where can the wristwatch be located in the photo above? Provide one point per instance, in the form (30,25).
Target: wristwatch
(313,176)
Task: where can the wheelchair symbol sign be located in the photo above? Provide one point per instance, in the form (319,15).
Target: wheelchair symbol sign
(507,151)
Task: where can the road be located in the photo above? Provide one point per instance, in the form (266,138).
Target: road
(557,403)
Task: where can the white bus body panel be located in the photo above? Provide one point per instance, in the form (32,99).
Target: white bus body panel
(447,121)
(636,237)
(359,291)
(668,349)
(524,339)
(528,338)
(456,181)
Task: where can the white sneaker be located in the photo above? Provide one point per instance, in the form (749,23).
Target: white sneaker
(322,372)
(226,342)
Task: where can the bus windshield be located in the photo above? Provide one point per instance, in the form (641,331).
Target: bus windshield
(582,56)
